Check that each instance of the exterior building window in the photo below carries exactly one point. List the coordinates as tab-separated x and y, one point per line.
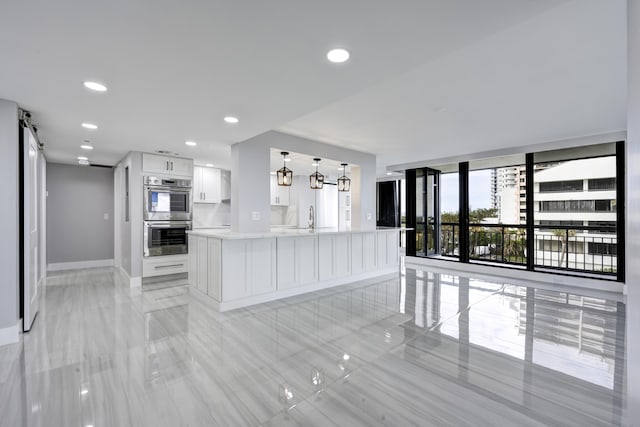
561	186
601	184
597	248
578	206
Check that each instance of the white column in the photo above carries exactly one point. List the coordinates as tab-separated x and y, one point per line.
633	213
250	187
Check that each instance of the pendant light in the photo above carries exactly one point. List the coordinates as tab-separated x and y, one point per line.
316	180
285	175
344	183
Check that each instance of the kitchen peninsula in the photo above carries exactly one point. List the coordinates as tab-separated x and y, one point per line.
242	269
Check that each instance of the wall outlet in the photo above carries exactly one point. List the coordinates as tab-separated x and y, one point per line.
369	216
106	217
255	216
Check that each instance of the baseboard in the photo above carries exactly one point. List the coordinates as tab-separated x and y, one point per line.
58	266
11	334
134	282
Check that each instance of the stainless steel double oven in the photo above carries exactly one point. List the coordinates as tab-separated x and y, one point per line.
167	215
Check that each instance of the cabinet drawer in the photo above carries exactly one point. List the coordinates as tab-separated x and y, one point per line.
161	266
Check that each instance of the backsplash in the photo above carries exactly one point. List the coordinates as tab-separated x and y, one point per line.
211	214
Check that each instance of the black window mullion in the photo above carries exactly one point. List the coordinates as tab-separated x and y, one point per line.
463	217
410	196
529	203
620	208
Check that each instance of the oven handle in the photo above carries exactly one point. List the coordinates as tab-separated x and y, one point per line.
172	189
168	224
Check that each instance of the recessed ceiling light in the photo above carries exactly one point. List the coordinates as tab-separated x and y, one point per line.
86	147
89	126
338	55
314	164
209	165
231	119
273	173
98	87
389	173
83	158
191	143
83	162
286	159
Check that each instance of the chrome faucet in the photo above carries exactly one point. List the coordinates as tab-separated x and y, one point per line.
312	218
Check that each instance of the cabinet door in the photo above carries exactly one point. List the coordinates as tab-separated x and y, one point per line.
306	260
211	185
325	257
234	270
286	268
155	164
181	167
262	265
341	255
283	195
273	184
393	248
225	185
193	260
198	192
370	251
215	257
357	253
203	264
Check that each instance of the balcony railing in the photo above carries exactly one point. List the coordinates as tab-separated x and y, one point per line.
592	249
573	248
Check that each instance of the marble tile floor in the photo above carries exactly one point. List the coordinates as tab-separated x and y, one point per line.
415	348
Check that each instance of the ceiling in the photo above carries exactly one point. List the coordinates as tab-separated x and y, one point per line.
426	78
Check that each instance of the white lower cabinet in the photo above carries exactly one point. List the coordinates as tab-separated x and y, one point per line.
248	268
297	261
198	262
214	282
357	253
234	271
334	252
369	252
164	265
388	249
286	262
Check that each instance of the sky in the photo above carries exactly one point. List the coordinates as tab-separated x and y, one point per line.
479	190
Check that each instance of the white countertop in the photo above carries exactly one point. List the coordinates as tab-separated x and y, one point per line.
281	232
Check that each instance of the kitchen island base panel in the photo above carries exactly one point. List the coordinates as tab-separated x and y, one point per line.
240	272
286	293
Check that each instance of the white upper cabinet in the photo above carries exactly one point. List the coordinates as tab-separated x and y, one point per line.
225	185
206	185
164	165
279	193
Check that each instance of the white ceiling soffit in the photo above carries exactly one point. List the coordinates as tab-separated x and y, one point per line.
560	74
174	69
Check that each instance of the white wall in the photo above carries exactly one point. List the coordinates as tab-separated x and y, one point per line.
633	213
211	214
9	292
130	233
250	190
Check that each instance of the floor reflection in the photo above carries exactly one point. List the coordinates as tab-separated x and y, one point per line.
419	348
